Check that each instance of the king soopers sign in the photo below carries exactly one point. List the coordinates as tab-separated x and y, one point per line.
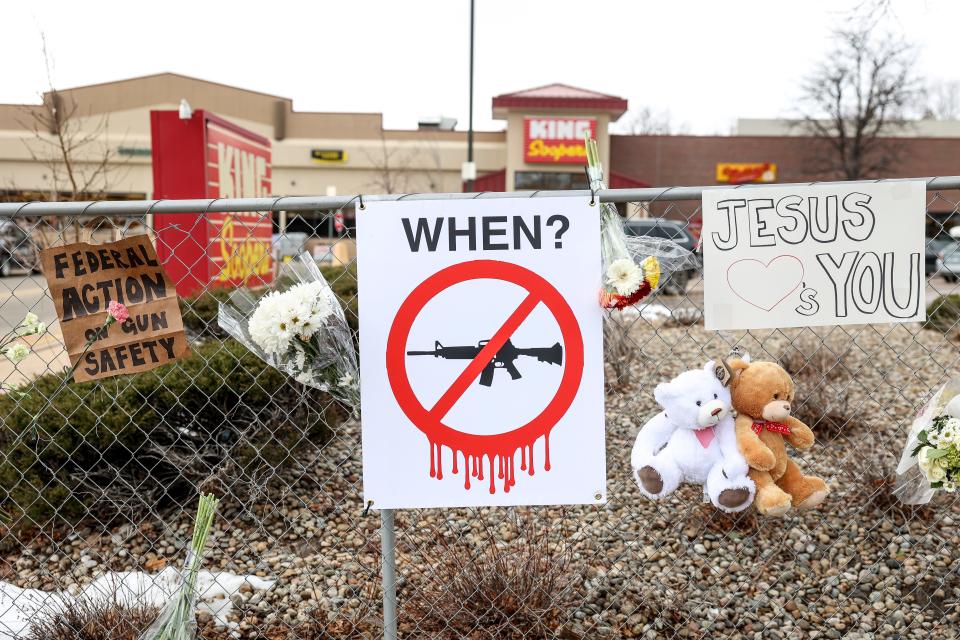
556	140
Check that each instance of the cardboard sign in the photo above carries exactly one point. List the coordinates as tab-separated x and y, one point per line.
811	256
84	279
481	359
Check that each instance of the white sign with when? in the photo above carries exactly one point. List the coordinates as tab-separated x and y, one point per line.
821	255
481	352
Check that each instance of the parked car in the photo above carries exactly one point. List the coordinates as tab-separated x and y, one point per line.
288	245
18	253
671	230
934	247
948	261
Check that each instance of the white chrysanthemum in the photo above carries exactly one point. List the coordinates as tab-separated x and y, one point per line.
309	307
946	436
949	486
270	324
625	276
300	311
346	381
953	423
17	352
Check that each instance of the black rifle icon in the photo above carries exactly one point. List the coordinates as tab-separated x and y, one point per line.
504	358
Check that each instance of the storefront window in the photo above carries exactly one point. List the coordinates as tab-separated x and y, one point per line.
548	181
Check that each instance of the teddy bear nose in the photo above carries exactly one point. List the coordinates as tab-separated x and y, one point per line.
786	408
717	411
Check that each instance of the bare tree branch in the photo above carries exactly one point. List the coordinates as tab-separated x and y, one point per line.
74	149
649	122
942	100
857	102
399	169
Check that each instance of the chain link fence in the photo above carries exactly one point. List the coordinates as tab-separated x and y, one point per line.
98	480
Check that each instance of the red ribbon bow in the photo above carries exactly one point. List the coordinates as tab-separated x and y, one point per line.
776	427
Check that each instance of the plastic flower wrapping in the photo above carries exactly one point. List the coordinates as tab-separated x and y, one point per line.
299	328
931	457
632	265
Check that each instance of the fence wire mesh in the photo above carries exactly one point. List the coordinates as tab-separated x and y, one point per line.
100	479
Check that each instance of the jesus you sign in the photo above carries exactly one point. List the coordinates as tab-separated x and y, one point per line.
814	256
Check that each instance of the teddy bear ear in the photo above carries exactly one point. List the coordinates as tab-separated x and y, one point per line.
735	366
663	394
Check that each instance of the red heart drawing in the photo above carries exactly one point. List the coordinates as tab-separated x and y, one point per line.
764	286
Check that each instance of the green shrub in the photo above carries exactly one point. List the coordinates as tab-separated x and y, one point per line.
200	311
220	418
343	281
943	314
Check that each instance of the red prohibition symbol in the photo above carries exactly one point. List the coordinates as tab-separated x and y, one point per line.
499	448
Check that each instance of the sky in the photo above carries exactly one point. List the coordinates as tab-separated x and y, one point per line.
705	63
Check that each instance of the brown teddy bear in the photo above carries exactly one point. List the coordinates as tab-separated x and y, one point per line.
761	393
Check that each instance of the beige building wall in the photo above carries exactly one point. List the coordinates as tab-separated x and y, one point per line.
376	159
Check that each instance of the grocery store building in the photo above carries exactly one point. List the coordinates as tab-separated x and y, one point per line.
323	153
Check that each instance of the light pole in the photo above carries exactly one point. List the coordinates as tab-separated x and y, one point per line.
470	170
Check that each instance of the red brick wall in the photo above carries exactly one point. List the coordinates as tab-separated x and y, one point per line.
692	160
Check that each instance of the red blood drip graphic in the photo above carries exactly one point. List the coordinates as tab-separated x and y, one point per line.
502	446
474	464
546	448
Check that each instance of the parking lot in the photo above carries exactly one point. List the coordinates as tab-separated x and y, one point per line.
18	296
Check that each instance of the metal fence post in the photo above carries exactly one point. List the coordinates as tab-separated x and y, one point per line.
389	569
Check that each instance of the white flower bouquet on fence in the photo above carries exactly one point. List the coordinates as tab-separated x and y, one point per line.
299	328
931	457
632	265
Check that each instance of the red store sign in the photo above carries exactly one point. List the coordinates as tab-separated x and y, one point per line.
206	156
556	140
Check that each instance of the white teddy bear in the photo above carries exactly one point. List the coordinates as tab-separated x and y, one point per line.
693	440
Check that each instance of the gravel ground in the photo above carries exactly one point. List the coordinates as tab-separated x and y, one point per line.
859	567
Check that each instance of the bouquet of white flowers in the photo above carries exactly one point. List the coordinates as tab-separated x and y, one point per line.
632	266
298	328
931	457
